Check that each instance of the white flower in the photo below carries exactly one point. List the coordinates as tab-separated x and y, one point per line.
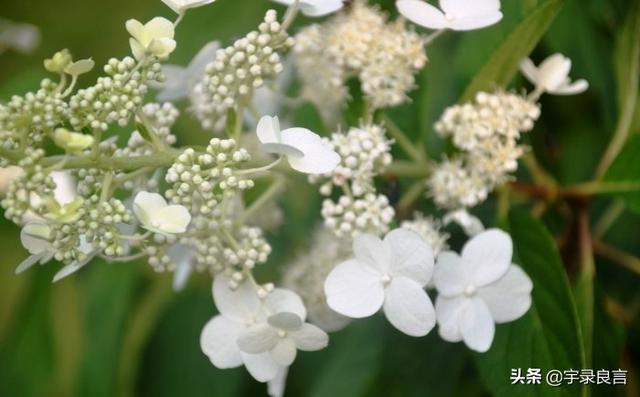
182	256
21	37
36	238
180	6
552	76
153	38
80	67
454	14
479	289
305	150
155	215
470	224
387	274
180	80
315	8
240	309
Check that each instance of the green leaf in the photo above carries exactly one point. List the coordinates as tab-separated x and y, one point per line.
626	170
549	335
173	364
504	62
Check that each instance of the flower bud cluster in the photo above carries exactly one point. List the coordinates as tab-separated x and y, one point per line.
486	132
90	179
113	99
202	181
238	70
69	245
360	43
365	153
27	119
158	117
429	229
100	221
351	217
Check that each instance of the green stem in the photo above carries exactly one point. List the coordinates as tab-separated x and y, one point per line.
414	192
608	218
596	187
409	169
276	187
401	139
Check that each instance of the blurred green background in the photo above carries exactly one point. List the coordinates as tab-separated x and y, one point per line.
119	330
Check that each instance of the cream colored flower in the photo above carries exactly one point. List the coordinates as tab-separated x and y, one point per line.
153	38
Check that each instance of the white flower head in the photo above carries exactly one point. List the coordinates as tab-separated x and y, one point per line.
180	6
479	288
315	8
36	238
156	215
453	14
244	315
154	38
181	80
552	76
388	274
306	151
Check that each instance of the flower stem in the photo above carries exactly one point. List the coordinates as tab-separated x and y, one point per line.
433	36
290	15
608	218
402	140
276	187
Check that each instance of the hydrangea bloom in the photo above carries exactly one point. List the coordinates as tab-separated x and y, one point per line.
157	216
453	14
479	288
305	150
552	76
388	274
154	38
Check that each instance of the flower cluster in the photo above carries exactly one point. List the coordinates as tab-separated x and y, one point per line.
238	70
429	229
486	132
383	56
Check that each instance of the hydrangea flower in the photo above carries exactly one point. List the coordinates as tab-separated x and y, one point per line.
180	6
154	38
388	274
72	141
552	76
80	67
453	14
180	80
315	8
241	310
479	288
36	238
156	215
305	150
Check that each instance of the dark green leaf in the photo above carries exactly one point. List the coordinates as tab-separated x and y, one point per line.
626	170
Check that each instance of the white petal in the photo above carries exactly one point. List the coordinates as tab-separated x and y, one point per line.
241	304
553	72
34	237
269	130
510	297
135	28
175	86
477	326
408	307
319	8
451	275
65	191
68	270
28	263
411	256
466	8
422	13
489	255
181	256
317	156
146	205
471	225
373	253
218	341
172	219
160	27
284	300
310	338
448	315
199	63
261	366
285	320
577	87
258	338
277	385
529	70
137	49
353	290
284	353
476	21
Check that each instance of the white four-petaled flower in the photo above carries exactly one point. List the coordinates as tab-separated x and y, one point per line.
154	38
552	76
315	8
156	215
245	317
180	6
479	289
388	274
453	14
306	151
